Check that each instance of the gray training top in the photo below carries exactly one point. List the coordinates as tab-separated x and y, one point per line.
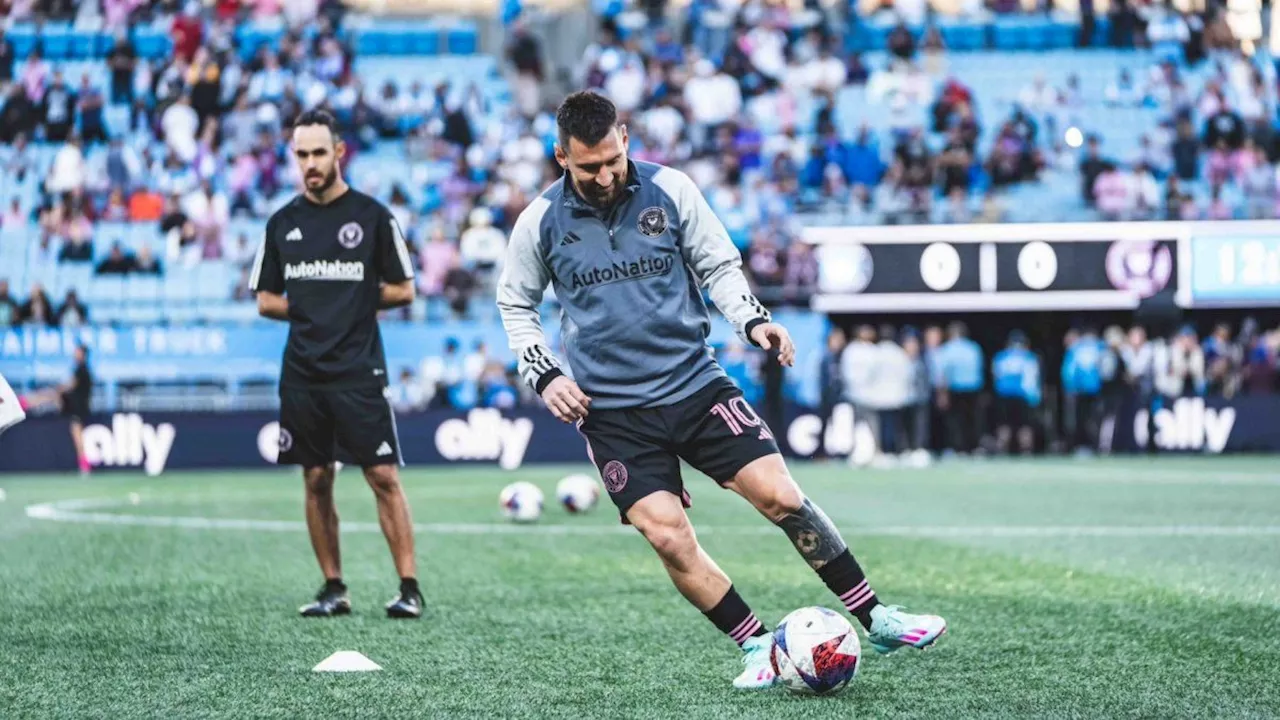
628	279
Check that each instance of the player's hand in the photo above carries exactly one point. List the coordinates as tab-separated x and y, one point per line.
772	335
565	399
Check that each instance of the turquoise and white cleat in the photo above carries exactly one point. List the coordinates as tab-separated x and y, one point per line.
891	628
758	674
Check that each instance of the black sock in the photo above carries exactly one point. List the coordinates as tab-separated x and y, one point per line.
734	618
845	578
334	584
409	585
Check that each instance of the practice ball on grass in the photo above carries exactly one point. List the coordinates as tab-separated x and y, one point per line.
521	502
134	498
2	495
578	493
815	652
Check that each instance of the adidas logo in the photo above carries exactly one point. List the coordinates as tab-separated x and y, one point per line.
294	235
383	449
570	239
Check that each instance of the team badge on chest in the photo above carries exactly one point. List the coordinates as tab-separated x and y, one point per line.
653	221
350	235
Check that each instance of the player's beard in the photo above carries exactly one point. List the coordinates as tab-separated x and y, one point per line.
598	196
330	178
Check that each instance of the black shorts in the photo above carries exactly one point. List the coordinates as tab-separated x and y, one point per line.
355	425
1012	412
73	408
638	450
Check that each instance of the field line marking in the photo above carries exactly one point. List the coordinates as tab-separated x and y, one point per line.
89	511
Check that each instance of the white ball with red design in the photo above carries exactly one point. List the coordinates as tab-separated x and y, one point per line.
815	652
521	502
578	493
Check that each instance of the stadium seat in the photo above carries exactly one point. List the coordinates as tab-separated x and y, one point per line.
55	41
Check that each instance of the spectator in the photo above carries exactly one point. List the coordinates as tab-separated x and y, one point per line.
831	389
17	116
483	246
1091	166
857	369
1223	359
10	313
14	216
67	172
78	246
917	409
123	61
93	123
458	286
1186	152
37	310
180	124
1179	366
1259	375
959	363
73	313
57	109
117	262
1083	367
407	395
146	263
1015	373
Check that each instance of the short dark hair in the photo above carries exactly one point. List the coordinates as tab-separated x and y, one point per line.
318	117
587	116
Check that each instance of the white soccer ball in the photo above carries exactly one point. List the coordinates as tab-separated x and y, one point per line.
815	652
521	502
578	493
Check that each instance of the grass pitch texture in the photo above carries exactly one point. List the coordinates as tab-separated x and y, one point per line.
1112	588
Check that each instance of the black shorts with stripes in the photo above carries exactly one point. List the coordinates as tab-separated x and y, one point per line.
354	425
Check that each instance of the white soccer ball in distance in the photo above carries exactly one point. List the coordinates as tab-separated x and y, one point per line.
521	502
578	493
815	652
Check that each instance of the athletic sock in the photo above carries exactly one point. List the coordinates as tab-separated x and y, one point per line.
334	584
845	578
83	463
409	585
734	618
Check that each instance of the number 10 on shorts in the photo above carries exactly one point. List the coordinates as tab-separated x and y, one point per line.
738	415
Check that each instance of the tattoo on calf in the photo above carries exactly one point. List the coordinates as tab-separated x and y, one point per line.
813	534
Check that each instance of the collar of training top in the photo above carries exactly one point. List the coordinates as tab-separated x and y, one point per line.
573	200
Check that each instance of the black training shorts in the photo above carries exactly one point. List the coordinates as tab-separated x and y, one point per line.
1012	412
638	450
315	424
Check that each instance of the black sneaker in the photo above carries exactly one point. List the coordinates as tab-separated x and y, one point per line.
331	600
406	605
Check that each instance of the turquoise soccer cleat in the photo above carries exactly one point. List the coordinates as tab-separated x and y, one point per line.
759	671
892	628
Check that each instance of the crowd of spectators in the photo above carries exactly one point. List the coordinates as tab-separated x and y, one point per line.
935	390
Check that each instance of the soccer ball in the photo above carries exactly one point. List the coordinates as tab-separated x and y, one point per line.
815	652
521	502
578	493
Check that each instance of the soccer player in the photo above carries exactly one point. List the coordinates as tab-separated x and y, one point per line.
72	398
330	260
627	247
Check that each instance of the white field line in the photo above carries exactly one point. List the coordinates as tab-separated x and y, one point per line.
89	512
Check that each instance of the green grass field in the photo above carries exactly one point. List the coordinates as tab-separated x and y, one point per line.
1111	588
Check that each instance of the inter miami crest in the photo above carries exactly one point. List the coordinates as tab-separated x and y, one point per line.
350	235
653	221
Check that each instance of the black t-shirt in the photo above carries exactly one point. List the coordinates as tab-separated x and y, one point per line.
78	396
330	260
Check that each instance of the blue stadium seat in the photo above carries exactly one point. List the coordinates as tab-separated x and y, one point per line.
84	44
180	285
24	39
142	289
462	38
55	41
151	43
105	290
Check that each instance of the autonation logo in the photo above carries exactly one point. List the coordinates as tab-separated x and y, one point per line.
325	270
619	271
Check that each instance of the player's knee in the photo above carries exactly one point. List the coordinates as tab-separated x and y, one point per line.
383	479
780	500
673	540
319	480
